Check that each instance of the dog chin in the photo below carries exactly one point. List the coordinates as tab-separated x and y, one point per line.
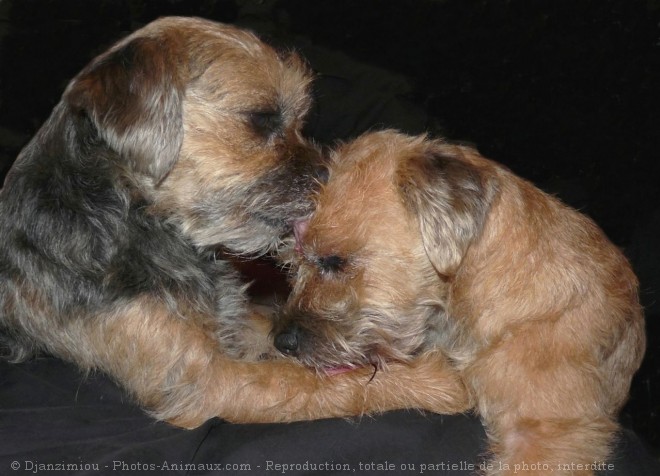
253	237
278	225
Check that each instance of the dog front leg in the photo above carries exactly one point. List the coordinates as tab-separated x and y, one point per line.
175	369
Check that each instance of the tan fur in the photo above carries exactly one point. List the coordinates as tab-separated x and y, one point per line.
443	249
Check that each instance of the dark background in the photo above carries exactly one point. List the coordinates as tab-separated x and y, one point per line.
564	92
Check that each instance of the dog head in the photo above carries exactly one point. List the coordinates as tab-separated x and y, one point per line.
205	120
373	262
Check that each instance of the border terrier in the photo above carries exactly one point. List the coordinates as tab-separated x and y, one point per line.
182	137
419	245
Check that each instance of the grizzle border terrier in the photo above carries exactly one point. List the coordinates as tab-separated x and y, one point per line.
419	245
182	137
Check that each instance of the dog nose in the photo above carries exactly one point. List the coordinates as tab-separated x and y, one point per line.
287	341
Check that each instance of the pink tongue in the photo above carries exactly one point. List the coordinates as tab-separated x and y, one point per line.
299	230
338	370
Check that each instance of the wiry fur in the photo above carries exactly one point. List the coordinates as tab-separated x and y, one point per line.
183	137
442	249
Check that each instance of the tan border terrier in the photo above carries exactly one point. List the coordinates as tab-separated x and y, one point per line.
418	245
183	137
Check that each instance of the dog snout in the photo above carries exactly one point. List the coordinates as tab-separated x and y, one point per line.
305	153
288	340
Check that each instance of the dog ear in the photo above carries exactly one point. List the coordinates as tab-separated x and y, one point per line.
450	199
133	95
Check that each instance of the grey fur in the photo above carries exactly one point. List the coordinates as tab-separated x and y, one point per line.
80	234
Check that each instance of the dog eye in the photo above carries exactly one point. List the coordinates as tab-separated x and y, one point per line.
331	264
266	123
